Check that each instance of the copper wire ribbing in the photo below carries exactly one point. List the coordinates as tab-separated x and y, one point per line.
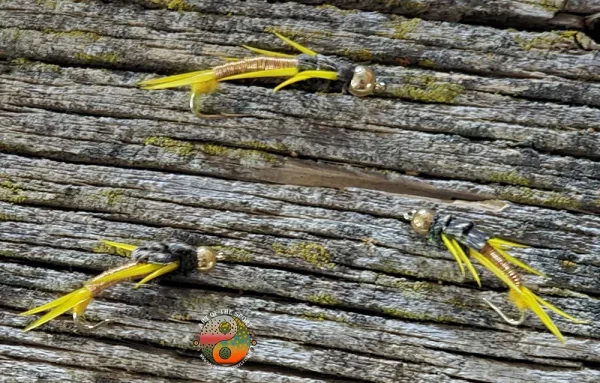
95	288
490	253
253	64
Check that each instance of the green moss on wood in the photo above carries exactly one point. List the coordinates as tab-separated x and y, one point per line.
181	148
405	314
547	40
560	201
511	177
113	196
458	302
426	88
10	217
568	264
10	192
313	316
336	9
82	34
407	5
402	27
428	63
358	54
526	195
174	5
547	5
51	4
323	299
101	58
235	254
24	62
311	252
181	317
7	253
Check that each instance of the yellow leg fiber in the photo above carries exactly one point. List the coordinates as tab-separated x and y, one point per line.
164	270
179	80
466	260
136	270
265	52
498	242
307	75
559	311
517	262
454	252
283	72
296	46
79	296
50	305
119	245
494	269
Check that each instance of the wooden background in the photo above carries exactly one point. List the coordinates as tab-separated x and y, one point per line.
491	113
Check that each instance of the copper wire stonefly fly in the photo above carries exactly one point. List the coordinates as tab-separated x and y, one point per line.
360	79
458	235
148	261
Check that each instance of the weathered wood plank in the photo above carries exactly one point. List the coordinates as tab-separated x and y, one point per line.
304	199
143	40
374	134
514	13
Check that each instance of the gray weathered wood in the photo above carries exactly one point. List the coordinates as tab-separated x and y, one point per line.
304	197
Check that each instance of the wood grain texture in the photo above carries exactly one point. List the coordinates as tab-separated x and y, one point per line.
304	197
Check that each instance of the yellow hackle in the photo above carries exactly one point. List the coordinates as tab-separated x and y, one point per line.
297	46
499	242
119	245
163	270
454	252
265	52
459	250
307	75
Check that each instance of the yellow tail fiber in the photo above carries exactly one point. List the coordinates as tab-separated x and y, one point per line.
179	80
65	305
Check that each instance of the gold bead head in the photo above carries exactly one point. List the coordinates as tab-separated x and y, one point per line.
363	81
422	220
207	259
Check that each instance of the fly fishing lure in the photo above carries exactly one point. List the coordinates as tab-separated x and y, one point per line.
360	80
458	235
148	261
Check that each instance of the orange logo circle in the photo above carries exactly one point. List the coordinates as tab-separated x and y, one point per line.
225	340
